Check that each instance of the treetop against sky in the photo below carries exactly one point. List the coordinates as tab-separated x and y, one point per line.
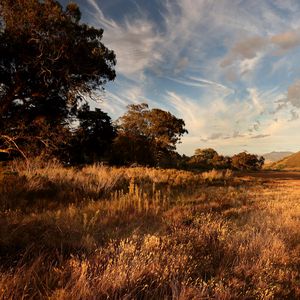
230	69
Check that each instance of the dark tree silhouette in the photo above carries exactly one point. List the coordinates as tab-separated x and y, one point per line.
147	136
246	161
49	62
203	158
92	139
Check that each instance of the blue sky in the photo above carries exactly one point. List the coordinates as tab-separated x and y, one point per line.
229	68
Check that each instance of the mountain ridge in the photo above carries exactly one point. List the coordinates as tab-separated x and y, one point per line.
275	156
291	162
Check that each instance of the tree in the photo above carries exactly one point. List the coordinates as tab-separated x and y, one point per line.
147	136
205	154
221	162
49	62
93	138
247	161
209	158
203	158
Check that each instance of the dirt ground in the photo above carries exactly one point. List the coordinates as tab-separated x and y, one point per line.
271	175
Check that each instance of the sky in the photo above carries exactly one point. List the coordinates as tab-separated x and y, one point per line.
229	68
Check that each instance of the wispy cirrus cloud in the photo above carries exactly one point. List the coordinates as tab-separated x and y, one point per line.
133	40
260	136
219	65
203	83
220	120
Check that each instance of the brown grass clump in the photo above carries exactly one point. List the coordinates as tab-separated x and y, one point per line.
219	176
142	233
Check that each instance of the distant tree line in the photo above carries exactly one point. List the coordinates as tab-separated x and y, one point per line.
50	63
208	158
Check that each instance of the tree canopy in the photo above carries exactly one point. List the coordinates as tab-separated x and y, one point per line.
247	161
93	138
209	158
205	154
206	158
148	134
49	62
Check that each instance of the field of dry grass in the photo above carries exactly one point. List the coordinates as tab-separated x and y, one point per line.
137	233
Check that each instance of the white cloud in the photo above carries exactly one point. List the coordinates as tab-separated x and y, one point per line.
115	103
204	83
191	30
199	27
134	41
248	65
217	118
211	84
189	111
246	53
189	47
255	98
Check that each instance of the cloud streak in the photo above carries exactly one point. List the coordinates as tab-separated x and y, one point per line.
286	40
219	65
135	41
260	136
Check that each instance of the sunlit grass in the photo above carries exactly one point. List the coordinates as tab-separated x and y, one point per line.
139	233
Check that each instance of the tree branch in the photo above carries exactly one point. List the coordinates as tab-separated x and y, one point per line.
11	140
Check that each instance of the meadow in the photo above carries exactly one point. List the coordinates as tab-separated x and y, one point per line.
101	232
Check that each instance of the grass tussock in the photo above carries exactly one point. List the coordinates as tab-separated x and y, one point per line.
139	233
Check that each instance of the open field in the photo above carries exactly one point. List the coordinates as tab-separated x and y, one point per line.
271	175
137	233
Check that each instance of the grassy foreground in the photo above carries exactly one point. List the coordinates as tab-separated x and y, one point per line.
138	233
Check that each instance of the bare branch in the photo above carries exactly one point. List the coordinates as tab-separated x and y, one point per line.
11	140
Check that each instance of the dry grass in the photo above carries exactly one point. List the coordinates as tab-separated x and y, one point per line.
137	233
217	176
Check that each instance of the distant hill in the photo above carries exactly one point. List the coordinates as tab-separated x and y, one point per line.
276	156
291	162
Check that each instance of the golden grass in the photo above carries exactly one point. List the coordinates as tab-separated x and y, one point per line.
139	233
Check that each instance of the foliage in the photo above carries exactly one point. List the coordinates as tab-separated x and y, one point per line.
209	158
147	136
92	139
247	161
205	154
221	162
49	62
202	158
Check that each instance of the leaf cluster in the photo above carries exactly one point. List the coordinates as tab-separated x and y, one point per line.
49	63
148	134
